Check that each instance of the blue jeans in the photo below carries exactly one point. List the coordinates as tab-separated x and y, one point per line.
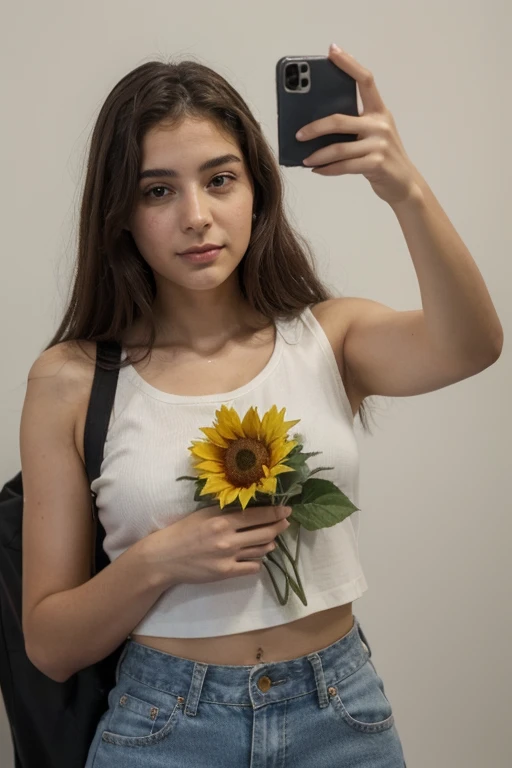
327	709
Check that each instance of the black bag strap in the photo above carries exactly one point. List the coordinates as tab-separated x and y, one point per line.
103	392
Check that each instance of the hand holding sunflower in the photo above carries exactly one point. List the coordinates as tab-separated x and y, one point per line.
252	462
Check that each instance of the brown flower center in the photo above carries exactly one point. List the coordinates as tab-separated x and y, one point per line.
244	460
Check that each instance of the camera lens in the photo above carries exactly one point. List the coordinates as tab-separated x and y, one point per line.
292	76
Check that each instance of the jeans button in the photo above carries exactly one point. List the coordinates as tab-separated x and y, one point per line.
264	683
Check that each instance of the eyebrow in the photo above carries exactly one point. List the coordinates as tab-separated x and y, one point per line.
151	173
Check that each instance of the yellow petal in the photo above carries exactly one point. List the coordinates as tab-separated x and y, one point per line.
214	484
226	432
216	467
251	424
275	425
279	452
246	494
228	495
269	423
268	485
214	437
231	419
205	450
232	494
279	469
224	424
206	475
277	428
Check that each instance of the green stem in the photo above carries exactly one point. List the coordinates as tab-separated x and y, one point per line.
282	600
299	591
296	586
270	556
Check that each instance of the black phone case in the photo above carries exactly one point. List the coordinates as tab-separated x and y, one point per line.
331	91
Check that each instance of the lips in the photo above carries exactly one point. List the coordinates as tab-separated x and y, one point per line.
200	257
200	248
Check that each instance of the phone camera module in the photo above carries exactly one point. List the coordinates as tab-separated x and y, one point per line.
293	76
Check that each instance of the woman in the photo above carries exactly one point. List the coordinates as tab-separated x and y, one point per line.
216	672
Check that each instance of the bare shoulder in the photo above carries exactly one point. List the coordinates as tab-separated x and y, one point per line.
60	381
65	363
339	312
64	372
335	316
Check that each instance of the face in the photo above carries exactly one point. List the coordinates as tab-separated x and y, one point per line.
181	205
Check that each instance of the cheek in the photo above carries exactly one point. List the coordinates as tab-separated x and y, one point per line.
238	221
152	230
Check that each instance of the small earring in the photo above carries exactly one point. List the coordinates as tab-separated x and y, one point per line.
253	216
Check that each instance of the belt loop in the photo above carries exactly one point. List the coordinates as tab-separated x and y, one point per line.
363	636
196	686
321	687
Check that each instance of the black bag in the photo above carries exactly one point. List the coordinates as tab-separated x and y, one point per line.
53	724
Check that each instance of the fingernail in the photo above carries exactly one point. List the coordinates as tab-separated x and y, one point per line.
336	48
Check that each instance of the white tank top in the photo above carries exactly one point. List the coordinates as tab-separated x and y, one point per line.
147	449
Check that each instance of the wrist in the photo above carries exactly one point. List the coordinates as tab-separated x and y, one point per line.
415	197
153	569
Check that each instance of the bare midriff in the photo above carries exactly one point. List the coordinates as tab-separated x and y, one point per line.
281	643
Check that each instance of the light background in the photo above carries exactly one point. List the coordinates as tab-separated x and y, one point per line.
435	493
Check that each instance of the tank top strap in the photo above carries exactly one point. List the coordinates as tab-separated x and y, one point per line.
291	329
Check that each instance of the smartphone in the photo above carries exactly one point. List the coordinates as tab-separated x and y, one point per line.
309	88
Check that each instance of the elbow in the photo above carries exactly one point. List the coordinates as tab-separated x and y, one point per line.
499	344
41	662
492	352
495	351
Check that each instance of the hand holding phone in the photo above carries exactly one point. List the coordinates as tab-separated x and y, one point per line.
310	88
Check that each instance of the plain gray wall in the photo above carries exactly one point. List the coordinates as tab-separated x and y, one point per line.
435	478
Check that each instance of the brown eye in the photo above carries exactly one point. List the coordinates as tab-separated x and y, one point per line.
153	189
223	176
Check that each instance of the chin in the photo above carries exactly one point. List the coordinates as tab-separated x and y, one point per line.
207	279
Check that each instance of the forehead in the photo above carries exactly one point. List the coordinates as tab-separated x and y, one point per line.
190	134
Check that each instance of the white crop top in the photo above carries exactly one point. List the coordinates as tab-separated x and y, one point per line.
147	449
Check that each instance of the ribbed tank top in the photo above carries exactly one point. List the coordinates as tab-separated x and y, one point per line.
147	449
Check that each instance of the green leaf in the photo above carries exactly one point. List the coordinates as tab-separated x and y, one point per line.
286	480
322	505
294	490
293	461
298	459
319	469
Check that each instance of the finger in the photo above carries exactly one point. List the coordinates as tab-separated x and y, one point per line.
370	96
341	151
337	123
357	165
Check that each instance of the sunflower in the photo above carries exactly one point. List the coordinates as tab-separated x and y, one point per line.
240	458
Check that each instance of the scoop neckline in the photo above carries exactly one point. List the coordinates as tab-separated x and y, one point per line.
158	394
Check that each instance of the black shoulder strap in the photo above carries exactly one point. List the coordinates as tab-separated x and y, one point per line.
100	407
96	426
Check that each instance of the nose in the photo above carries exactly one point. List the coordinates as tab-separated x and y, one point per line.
195	211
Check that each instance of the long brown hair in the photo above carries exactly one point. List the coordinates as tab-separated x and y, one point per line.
113	285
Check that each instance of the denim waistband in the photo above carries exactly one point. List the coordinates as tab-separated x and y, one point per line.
254	686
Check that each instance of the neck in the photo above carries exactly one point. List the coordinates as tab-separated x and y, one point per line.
202	320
